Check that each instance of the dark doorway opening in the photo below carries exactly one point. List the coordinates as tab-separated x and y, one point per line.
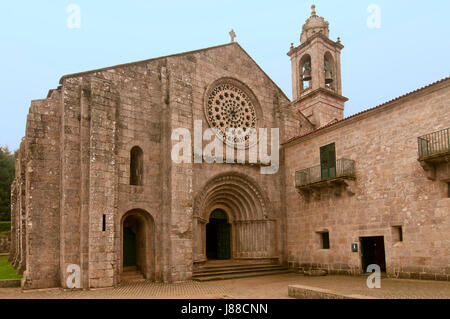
372	252
129	247
218	236
137	246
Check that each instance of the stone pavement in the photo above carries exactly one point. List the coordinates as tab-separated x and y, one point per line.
270	287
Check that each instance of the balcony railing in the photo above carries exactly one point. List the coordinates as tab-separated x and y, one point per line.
345	169
434	144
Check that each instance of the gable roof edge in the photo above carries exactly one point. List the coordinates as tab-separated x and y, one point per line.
273	82
73	75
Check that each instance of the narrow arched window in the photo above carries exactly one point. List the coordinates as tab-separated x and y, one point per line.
136	166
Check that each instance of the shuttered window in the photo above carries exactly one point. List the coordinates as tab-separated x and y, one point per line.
328	161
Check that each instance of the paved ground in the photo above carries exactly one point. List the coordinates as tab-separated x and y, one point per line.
270	287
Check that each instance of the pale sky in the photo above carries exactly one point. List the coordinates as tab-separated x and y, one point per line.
409	50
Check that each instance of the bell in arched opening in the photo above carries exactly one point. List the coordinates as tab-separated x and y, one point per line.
328	77
328	73
307	71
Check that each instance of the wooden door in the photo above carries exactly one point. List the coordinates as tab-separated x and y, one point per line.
328	161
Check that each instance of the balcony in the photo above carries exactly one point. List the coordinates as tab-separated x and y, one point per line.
314	178
434	148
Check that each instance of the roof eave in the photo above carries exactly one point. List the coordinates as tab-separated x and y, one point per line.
369	112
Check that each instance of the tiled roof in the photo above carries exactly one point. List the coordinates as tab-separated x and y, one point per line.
366	111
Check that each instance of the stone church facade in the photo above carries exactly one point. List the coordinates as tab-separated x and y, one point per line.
95	179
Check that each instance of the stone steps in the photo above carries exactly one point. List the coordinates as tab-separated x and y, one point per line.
236	269
216	266
226	272
240	275
129	276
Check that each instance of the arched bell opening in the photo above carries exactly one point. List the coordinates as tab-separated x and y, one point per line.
305	72
329	71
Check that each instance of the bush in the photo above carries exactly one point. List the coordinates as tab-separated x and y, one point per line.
5	227
6	177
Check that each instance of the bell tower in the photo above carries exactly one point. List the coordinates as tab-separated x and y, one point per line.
316	73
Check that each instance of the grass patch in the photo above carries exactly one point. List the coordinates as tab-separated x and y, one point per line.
6	270
5	227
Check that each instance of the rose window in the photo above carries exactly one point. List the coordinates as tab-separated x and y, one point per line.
230	108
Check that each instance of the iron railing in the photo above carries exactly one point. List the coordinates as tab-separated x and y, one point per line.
345	168
434	143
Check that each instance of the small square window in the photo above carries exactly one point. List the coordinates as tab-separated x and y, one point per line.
324	240
397	234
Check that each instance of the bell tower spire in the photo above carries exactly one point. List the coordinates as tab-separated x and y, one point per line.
313	11
316	73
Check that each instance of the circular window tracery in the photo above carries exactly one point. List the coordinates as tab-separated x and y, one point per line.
230	108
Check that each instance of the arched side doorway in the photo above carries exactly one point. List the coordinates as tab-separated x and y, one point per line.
137	238
129	244
218	236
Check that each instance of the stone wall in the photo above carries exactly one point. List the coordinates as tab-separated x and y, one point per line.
18	217
35	197
5	242
391	189
74	167
106	115
201	71
42	187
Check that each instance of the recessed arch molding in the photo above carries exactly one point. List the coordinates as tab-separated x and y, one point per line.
250	212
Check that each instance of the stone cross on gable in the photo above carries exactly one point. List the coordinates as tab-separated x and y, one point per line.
232	35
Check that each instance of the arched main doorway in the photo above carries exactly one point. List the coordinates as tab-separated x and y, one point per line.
218	236
138	243
252	230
